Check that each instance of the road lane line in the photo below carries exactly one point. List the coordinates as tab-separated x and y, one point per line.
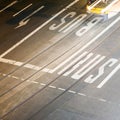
108	77
61	89
34	12
103	100
70	91
37	29
22	10
81	94
24	21
104	10
52	87
11	4
85	46
42	84
16	63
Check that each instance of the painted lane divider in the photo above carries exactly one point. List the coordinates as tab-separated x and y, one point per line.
63	89
24	21
74	69
22	10
11	4
37	29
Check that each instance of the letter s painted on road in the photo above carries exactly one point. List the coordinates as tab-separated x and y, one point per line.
63	21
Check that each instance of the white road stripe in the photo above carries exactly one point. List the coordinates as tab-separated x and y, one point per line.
33	13
15	77
81	94
37	29
16	63
104	10
61	89
70	91
22	10
72	63
86	45
108	77
80	74
103	100
52	87
11	4
78	64
73	23
42	84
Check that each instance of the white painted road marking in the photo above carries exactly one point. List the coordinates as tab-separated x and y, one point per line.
95	61
78	64
101	71
17	63
11	4
37	29
26	19
57	88
78	20
108	77
22	10
73	62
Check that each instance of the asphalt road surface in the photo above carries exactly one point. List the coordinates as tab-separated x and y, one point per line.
58	62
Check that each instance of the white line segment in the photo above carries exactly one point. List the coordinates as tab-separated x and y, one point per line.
108	77
11	4
22	10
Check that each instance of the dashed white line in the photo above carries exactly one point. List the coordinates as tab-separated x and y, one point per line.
70	91
61	89
42	84
52	86
15	77
81	94
17	63
103	100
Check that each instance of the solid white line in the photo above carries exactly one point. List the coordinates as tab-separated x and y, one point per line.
80	73
22	10
78	64
108	77
94	4
72	63
109	6
81	94
94	39
14	2
33	13
37	29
